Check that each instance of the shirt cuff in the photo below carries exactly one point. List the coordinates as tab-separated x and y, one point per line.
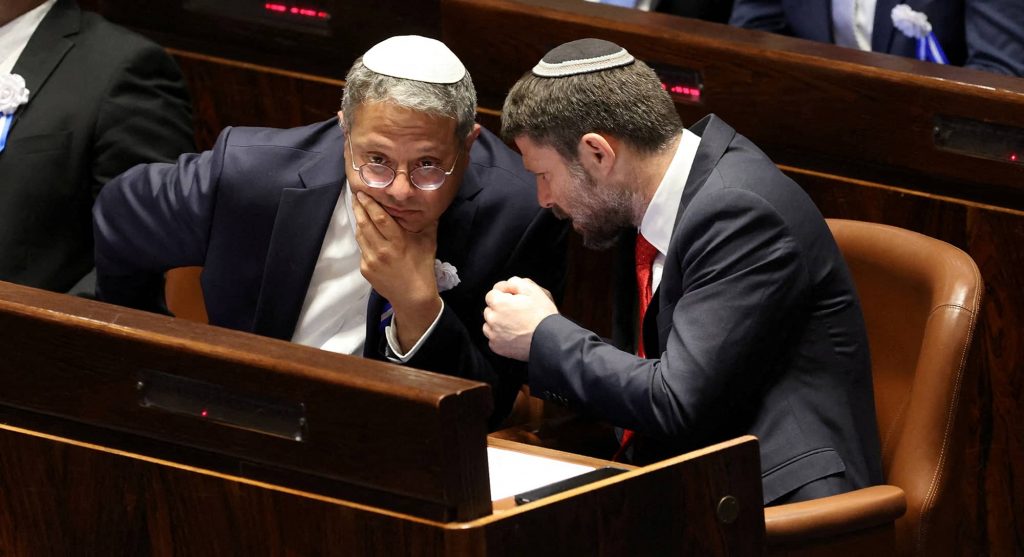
393	353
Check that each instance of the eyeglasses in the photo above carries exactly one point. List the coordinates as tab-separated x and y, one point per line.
377	175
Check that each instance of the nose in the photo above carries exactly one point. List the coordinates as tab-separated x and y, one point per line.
401	188
544	195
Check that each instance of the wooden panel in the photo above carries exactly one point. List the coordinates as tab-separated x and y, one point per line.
420	436
354	26
807	104
61	497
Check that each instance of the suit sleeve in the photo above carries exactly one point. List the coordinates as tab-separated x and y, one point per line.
739	277
763	15
995	36
153	218
145	117
458	347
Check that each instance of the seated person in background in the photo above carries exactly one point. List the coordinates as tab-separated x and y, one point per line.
81	101
377	232
753	324
985	36
709	10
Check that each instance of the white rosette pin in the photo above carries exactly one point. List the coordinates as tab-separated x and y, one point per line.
446	274
12	95
915	25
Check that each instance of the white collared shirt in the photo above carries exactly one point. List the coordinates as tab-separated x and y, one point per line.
853	22
660	217
333	313
17	32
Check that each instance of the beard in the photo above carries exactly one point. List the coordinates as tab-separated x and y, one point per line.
599	213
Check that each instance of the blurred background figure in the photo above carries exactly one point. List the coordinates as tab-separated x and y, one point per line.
710	10
100	99
985	35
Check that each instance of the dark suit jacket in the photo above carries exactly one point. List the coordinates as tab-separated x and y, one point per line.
254	211
981	34
101	99
708	10
758	329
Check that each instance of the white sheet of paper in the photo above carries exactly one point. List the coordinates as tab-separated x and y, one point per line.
514	472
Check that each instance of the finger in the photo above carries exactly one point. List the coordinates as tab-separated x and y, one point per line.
377	216
489	315
491	297
367	234
488	332
506	287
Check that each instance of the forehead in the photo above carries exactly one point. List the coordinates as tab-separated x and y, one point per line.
386	124
537	157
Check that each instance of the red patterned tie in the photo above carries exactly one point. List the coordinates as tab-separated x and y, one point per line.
645	254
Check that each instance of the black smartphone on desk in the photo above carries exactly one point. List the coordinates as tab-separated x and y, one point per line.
567	484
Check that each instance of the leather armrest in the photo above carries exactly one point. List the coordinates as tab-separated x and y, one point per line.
830	516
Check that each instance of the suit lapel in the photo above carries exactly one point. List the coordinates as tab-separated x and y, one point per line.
47	47
882	30
454	231
819	16
302	219
715	137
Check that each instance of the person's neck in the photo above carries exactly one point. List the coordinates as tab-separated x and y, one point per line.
12	9
650	171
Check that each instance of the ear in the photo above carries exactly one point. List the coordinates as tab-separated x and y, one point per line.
473	134
597	155
341	121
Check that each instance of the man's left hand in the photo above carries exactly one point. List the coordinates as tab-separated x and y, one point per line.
515	307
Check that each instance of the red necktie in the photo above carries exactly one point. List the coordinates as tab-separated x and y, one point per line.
645	254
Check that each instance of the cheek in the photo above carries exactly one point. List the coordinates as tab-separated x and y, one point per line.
436	203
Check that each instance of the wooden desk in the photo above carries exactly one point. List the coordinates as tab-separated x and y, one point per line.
388	460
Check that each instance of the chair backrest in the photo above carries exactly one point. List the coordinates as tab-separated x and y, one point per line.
921	300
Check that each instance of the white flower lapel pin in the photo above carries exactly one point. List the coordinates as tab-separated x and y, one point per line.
12	95
915	25
446	274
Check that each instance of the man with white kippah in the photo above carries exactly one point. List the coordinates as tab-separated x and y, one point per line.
742	318
377	232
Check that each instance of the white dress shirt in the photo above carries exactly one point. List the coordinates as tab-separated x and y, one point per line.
660	217
16	33
333	314
853	22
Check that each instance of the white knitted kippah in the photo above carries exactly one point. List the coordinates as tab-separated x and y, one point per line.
416	58
582	56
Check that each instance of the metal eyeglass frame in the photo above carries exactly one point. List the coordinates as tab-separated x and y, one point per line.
395	172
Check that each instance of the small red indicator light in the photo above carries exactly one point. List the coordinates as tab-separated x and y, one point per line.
204	413
295	10
1013	157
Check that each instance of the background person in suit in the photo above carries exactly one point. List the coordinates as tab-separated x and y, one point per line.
294	227
753	324
984	35
708	10
101	100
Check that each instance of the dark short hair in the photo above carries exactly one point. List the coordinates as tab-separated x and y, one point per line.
627	102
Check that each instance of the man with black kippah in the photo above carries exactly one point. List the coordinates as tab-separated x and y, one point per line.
753	325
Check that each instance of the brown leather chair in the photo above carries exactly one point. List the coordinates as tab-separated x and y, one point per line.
183	294
921	300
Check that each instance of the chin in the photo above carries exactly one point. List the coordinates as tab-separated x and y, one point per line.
414	227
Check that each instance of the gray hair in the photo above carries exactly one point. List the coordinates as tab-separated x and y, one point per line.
450	100
626	102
